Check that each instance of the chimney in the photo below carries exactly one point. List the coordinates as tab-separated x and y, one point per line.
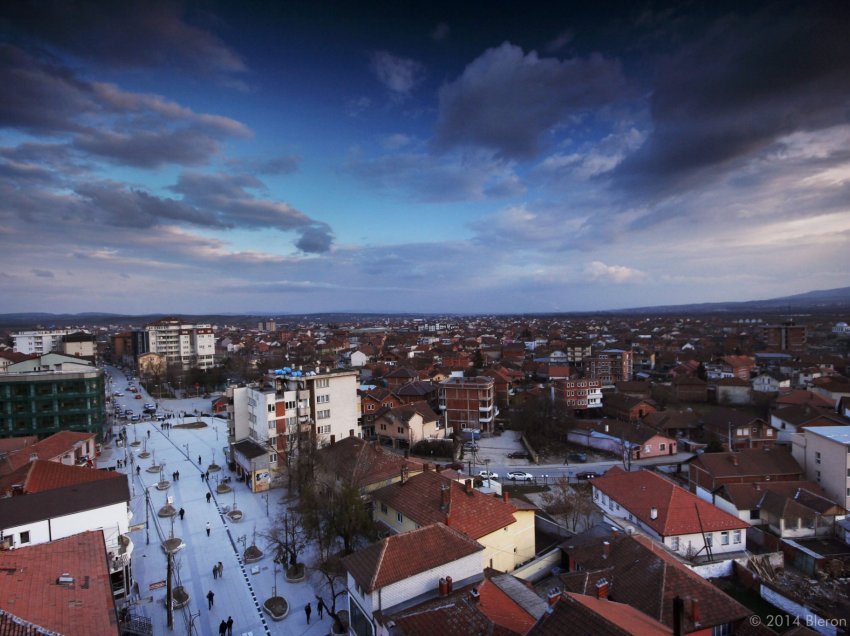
695	617
506	496
467	485
473	594
449	583
553	595
653	513
426	466
443	587
602	588
678	616
444	497
571	563
403	474
438	468
606	549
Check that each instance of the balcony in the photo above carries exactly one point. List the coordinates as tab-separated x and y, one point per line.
120	553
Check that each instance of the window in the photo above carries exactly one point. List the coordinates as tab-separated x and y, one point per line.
722	630
754	514
322	383
647	448
724	538
399	516
323	415
817	457
674	543
736	536
270	408
662	446
400	430
709	539
323	399
770	432
290	404
370	407
25	537
384	508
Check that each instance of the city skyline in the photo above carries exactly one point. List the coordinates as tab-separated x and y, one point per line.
426	158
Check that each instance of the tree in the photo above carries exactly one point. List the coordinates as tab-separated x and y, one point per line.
337	512
571	504
329	579
287	536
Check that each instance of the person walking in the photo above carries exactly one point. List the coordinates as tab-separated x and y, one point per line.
307	611
208	528
199	460
215	571
181	513
220	568
320	607
210	597
178	475
209	496
222	628
229	626
138	470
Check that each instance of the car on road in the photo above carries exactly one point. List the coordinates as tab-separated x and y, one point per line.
488	474
135	418
519	455
577	457
118	394
587	474
160	417
454	466
519	475
138	396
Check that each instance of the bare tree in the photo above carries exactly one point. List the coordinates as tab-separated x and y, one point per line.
287	536
571	504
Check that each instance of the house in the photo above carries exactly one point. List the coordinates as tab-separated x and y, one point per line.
364	464
674	423
505	528
744	500
616	436
735	430
709	471
832	388
802	514
668	513
51	501
595	613
65	447
792	418
689	388
406	425
60	587
406	569
770	383
624	407
417	391
644	575
358	359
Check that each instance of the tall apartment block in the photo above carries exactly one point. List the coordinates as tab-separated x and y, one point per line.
181	343
269	422
468	402
609	366
785	337
579	395
41	341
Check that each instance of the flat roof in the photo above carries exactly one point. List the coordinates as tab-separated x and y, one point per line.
840	434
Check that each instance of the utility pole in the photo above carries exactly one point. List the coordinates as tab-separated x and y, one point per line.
147	517
168	598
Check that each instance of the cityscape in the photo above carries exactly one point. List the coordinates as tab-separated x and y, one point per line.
401	319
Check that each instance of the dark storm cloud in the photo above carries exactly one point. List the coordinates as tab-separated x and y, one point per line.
745	83
130	33
506	99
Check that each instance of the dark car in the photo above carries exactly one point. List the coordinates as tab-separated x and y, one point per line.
588	474
519	455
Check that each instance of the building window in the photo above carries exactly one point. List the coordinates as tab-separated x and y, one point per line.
662	446
323	415
323	399
674	543
370	407
384	508
817	457
322	383
25	537
754	514
400	517
736	536
770	432
724	538
722	630
400	430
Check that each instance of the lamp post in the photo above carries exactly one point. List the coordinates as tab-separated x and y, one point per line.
487	468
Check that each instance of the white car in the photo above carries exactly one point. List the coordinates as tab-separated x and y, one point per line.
519	475
486	474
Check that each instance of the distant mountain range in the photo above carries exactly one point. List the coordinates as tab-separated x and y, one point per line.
823	300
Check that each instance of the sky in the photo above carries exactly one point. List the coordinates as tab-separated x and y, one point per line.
464	157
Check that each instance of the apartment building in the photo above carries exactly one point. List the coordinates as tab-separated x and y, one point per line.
181	343
580	394
468	403
824	454
45	400
39	342
785	337
269	422
610	366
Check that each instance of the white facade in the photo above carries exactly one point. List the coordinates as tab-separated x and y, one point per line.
184	344
40	342
824	454
113	520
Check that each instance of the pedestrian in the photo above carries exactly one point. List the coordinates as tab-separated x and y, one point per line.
209	496
206	476
215	571
220	568
178	475
173	476
307	610
210	597
222	628
199	460
208	528
320	607
229	626
149	434
138	470
202	476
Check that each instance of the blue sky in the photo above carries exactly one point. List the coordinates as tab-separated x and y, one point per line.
420	157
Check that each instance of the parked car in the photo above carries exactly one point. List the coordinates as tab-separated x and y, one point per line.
488	474
519	475
577	457
135	418
519	455
588	474
138	396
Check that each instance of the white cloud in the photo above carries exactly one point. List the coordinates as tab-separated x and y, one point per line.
599	271
400	75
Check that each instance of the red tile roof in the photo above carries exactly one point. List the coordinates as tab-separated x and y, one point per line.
29	587
365	463
581	614
749	462
50	448
401	556
470	511
678	511
43	475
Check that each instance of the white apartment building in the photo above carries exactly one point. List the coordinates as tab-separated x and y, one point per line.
40	342
265	422
181	343
824	454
